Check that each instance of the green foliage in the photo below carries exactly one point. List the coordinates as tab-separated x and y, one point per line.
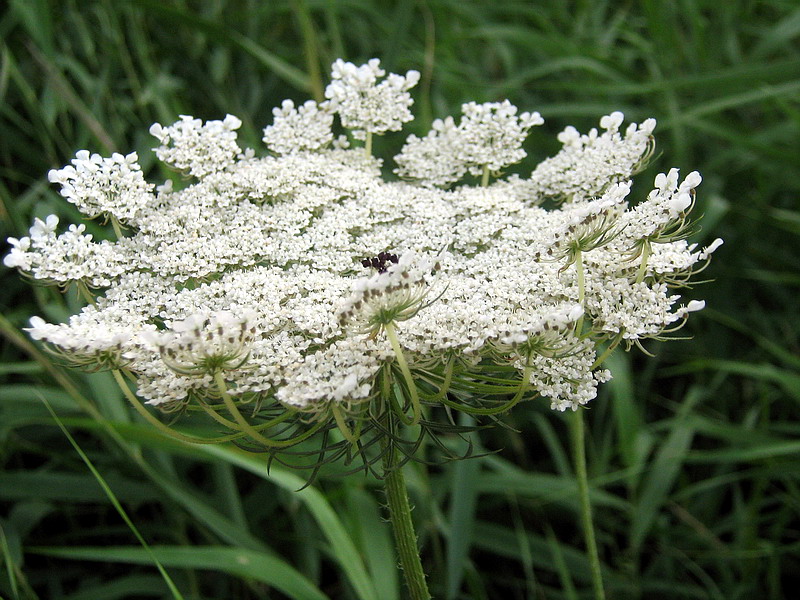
692	455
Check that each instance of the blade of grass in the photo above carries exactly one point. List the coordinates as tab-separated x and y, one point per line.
290	74
376	543
10	563
463	501
115	503
242	563
657	484
342	546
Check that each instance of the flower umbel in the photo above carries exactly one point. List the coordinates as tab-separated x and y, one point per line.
243	295
205	345
395	293
302	284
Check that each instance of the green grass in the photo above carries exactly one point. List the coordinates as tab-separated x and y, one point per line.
692	455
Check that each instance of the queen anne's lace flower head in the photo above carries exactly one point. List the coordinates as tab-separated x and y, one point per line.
302	281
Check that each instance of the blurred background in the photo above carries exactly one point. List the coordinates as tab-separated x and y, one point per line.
694	455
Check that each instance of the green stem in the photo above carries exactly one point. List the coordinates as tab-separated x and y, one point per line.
401	362
242	423
485	177
643	265
117	228
368	144
403	526
338	416
166	430
611	347
579	452
581	288
84	292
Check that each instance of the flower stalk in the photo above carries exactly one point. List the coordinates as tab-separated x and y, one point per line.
402	524
581	288
416	408
577	436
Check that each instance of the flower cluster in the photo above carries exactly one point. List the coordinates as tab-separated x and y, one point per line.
366	106
307	127
588	163
72	257
197	149
104	186
303	280
487	139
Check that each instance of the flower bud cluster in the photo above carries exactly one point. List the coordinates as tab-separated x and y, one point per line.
304	279
586	226
549	334
204	344
395	293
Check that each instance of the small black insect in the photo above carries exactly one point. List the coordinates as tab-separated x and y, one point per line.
380	262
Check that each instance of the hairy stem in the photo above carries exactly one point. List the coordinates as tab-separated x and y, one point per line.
579	452
403	526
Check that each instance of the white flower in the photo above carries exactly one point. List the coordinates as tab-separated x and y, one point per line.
588	163
307	128
489	136
282	274
42	230
695	305
98	186
708	251
366	106
196	148
432	160
19	256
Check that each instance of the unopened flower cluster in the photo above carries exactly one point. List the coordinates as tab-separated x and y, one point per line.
287	274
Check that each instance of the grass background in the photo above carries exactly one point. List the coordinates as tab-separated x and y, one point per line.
693	454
